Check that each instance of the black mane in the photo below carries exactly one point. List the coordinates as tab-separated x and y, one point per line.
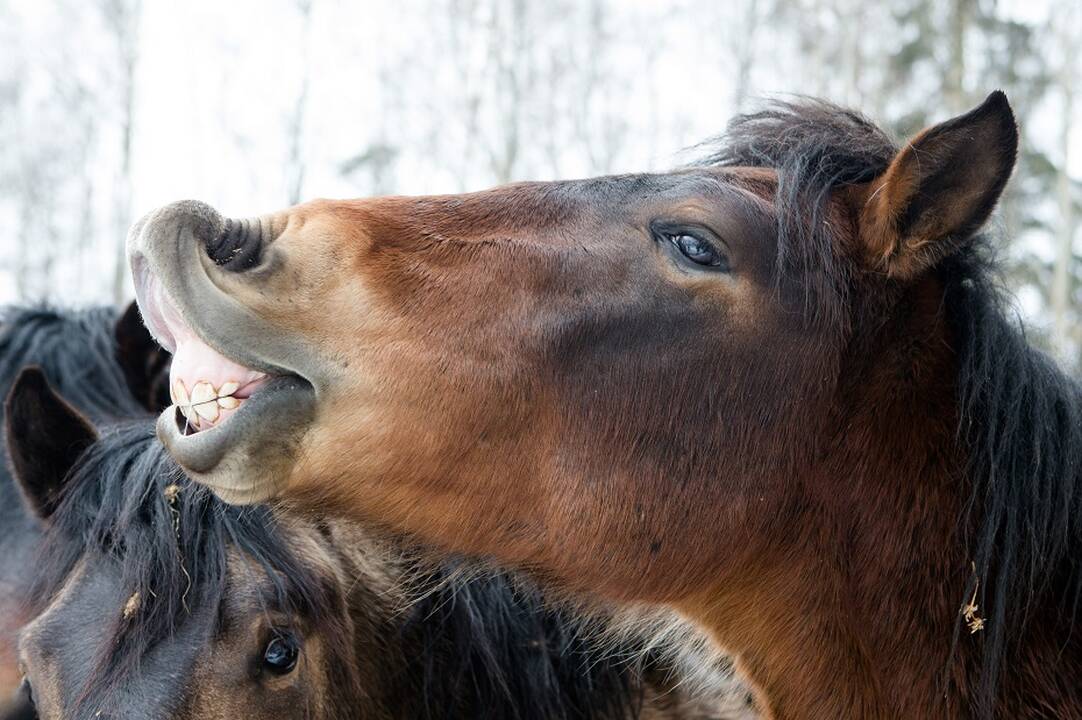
1020	415
77	350
1021	418
491	647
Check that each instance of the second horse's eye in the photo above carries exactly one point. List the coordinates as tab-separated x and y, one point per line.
280	655
696	249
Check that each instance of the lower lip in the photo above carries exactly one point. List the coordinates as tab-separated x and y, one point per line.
285	408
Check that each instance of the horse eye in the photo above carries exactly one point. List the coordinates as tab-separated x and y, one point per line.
280	655
696	249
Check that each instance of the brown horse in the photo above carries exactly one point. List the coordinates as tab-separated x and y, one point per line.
777	391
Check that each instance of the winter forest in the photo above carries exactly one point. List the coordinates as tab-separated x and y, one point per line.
109	108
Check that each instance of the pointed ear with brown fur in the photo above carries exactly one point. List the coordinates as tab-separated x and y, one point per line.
939	190
45	437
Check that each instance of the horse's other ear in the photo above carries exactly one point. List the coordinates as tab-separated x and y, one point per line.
45	436
939	189
144	362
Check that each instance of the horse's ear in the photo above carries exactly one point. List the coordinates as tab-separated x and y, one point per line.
144	362
938	190
45	436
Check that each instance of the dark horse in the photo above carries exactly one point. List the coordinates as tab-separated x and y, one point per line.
151	598
110	368
779	391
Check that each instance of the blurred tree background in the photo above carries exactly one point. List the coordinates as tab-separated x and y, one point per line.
111	107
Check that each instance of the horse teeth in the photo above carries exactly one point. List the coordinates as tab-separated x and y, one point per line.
203	392
179	393
207	411
203	405
191	419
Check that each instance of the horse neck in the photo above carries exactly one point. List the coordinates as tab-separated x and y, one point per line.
854	617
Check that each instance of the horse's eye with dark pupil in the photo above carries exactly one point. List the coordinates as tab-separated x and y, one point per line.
280	655
696	249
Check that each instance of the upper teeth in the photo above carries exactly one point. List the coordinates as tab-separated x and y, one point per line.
201	406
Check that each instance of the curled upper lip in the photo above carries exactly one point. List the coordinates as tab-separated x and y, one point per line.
172	273
147	288
155	304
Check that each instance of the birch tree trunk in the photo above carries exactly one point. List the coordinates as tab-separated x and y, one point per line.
961	14
295	165
122	20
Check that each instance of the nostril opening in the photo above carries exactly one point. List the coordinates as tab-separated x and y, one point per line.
238	246
218	245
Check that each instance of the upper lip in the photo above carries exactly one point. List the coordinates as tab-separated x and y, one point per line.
167	253
145	286
154	300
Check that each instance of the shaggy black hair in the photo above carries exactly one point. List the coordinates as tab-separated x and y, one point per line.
1020	415
489	646
1021	418
77	350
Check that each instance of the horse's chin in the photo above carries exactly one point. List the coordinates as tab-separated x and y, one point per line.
248	457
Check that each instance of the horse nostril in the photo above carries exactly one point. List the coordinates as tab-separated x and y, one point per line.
239	245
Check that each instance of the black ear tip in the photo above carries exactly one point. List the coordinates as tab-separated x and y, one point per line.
130	323
997	98
997	104
130	314
27	390
30	377
997	107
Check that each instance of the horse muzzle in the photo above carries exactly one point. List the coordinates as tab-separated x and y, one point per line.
244	390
